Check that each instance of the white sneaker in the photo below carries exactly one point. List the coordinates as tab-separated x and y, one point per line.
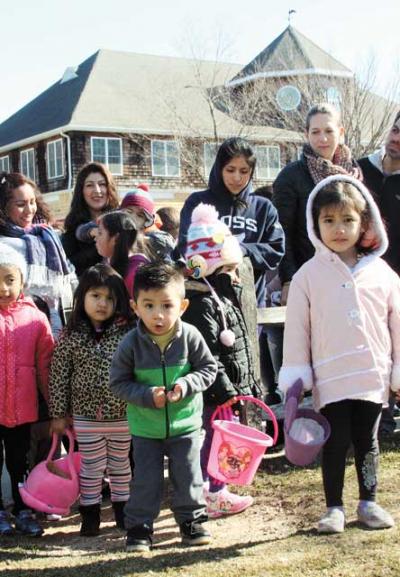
332	521
373	516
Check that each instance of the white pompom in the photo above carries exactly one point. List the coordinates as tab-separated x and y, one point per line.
227	337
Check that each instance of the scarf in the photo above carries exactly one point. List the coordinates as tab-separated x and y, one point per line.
342	163
47	263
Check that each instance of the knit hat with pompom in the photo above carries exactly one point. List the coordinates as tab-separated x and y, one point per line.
11	257
210	244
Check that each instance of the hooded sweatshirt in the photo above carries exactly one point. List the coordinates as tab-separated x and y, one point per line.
252	219
342	330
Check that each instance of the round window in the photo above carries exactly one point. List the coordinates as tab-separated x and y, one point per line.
288	97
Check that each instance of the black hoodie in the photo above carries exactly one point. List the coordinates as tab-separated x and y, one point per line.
252	219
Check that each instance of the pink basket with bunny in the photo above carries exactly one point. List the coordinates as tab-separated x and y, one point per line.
236	449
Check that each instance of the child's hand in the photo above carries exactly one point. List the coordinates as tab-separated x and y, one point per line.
159	398
175	395
58	426
229	402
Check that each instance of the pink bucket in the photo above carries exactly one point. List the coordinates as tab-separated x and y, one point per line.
53	486
237	450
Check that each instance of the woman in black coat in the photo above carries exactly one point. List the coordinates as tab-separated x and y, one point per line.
95	193
323	155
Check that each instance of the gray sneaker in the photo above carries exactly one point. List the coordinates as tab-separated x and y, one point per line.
373	516
332	521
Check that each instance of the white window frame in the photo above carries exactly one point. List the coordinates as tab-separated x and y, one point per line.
51	148
106	160
270	176
5	160
206	168
165	173
27	152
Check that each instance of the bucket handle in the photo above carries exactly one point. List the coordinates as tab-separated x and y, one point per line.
258	402
70	459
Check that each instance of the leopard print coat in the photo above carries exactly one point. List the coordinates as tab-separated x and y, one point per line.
79	375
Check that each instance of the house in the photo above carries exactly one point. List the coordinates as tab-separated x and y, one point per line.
158	119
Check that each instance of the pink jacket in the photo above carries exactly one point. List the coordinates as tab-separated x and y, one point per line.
342	330
26	346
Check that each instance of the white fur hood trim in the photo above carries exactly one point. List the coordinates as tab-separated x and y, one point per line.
376	217
288	375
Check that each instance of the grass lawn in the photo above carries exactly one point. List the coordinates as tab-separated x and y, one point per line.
275	538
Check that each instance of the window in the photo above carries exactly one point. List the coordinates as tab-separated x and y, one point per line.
55	159
4	164
210	152
27	158
108	151
165	158
334	97
268	162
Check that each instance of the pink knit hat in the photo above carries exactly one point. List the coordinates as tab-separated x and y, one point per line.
210	244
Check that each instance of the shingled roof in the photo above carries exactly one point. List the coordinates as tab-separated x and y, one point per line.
291	54
115	91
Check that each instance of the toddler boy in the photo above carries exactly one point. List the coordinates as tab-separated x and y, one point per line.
161	368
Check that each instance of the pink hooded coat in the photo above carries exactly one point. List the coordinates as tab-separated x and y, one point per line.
26	346
342	330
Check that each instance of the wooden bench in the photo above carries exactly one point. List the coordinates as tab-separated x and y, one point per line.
271	316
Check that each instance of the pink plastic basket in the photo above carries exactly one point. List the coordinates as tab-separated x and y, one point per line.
236	449
53	486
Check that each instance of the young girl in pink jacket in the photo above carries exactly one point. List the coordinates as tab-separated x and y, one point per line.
342	338
26	345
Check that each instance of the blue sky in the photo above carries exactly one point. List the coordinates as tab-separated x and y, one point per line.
41	38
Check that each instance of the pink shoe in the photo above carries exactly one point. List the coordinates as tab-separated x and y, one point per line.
226	503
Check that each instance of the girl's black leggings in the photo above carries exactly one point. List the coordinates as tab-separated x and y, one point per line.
352	422
15	441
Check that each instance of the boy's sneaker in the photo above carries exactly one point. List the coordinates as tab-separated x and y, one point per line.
26	523
138	539
333	521
373	516
225	503
5	525
193	533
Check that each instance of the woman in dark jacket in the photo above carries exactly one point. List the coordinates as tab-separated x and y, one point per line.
95	193
252	219
323	155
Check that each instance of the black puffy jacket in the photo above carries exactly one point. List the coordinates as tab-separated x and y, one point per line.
235	364
291	190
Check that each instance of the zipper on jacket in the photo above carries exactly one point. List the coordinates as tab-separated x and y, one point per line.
162	357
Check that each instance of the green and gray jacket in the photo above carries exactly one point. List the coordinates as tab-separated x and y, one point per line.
138	366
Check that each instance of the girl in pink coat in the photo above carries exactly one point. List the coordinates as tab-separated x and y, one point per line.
342	338
26	346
